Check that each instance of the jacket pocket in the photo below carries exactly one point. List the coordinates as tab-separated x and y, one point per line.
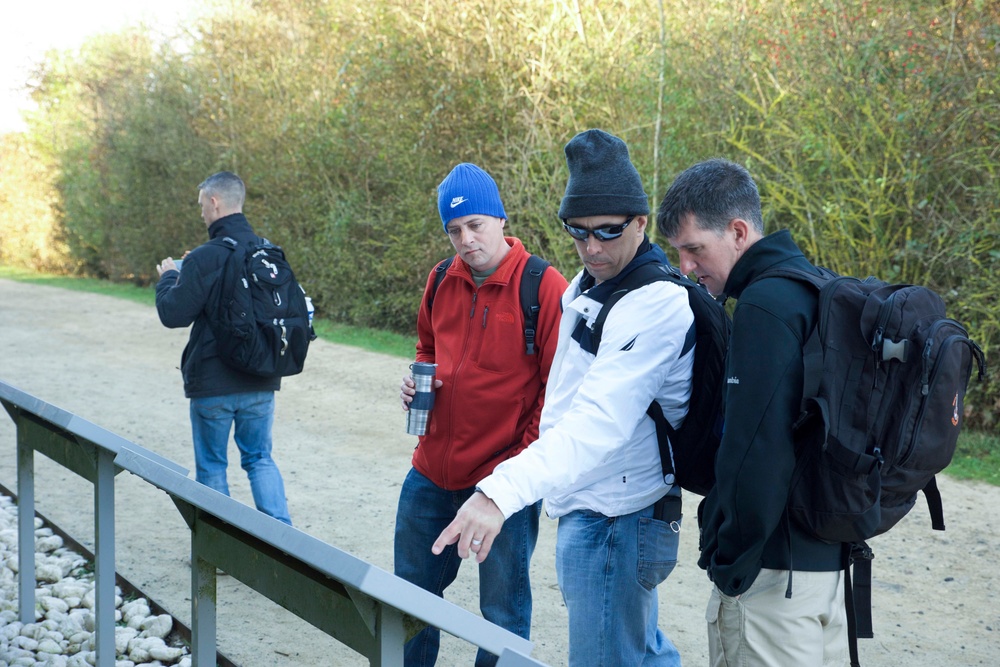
499	338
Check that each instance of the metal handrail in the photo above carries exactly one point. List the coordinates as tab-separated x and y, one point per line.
362	606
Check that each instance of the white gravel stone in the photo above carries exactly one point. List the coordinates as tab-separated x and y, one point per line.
49	573
80	659
10	631
167	654
48	645
138	655
63	634
48	544
52	603
122	638
157	626
70	588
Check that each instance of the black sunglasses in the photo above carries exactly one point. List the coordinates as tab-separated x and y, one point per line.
605	233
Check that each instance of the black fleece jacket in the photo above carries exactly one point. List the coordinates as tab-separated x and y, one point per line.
190	297
743	523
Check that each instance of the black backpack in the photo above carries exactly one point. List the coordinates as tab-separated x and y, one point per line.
261	323
531	279
687	453
885	379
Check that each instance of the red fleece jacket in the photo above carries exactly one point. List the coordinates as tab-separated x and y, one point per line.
489	406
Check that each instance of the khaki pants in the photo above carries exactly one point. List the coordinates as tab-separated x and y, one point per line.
763	628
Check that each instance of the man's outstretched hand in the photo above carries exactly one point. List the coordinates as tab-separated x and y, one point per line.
476	525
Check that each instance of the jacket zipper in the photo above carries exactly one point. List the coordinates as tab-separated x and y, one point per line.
445	460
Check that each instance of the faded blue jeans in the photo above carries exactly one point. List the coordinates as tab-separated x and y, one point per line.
608	569
212	419
426	509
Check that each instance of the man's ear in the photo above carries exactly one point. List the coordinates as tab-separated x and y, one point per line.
640	222
741	233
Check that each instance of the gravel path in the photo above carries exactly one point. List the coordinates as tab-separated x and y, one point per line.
341	446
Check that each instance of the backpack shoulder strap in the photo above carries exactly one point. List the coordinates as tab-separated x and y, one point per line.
812	351
439	272
226	242
816	279
710	327
638	277
531	279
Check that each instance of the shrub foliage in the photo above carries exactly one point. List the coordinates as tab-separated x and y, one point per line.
872	129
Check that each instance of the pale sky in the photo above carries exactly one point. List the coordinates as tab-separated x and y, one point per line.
29	28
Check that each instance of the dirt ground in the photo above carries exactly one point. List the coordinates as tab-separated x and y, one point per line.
341	446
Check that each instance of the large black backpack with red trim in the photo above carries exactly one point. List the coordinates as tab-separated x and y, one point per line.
885	379
885	376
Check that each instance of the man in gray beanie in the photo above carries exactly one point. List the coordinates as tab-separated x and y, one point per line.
488	403
596	461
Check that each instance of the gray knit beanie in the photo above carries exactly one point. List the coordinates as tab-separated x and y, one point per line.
602	179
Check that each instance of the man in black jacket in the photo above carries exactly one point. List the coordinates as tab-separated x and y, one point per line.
221	396
758	610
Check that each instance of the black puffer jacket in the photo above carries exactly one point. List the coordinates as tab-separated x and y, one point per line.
190	297
743	522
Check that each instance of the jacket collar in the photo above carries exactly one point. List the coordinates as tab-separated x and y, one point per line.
773	249
504	271
228	225
646	253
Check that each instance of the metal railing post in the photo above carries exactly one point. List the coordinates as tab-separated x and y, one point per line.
203	602
25	529
104	555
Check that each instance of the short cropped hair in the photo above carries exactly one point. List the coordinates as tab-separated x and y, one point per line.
227	187
715	191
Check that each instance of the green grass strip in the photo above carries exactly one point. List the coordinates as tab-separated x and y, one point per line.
373	340
977	456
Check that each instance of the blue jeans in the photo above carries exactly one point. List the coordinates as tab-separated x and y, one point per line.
424	511
608	569
212	419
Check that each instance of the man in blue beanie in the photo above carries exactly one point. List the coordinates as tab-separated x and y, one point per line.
490	389
596	461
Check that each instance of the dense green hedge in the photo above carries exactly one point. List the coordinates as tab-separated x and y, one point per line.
872	128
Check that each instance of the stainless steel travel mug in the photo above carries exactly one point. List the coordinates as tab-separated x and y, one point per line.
423	402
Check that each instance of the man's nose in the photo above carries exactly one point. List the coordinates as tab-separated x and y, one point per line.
687	265
593	245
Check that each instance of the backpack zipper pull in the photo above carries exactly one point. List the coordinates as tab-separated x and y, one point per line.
878	339
925	374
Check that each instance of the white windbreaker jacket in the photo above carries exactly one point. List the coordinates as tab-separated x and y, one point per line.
597	448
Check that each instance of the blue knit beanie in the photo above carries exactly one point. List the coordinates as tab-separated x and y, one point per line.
602	179
468	190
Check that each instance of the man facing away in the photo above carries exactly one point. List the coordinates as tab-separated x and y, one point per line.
596	461
221	396
489	399
758	613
